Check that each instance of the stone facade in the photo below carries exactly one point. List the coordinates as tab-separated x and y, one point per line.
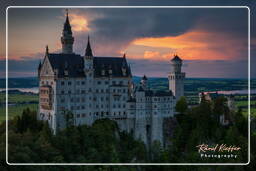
78	90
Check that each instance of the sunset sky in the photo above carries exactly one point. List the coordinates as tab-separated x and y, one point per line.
212	42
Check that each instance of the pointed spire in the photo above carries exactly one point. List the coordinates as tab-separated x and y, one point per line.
39	65
88	51
67	26
124	56
46	50
144	77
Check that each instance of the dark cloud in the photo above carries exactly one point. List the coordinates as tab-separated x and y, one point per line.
116	28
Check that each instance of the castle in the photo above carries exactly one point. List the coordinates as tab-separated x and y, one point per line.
75	89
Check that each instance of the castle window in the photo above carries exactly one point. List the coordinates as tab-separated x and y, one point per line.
114	90
106	82
62	83
62	100
102	90
90	90
123	105
114	82
72	107
99	82
121	82
95	98
83	82
69	83
114	106
62	92
78	115
83	99
69	91
83	91
107	90
97	90
101	98
124	90
83	115
71	99
82	107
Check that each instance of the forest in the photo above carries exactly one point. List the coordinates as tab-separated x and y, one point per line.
31	141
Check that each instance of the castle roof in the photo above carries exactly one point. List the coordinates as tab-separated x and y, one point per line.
176	58
88	50
67	26
116	64
158	93
74	64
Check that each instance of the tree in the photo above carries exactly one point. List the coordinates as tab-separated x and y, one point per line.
181	105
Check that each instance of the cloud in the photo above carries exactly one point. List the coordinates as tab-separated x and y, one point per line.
199	45
78	23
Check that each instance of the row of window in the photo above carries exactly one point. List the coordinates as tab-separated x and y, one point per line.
155	99
44	91
176	76
96	91
98	82
101	114
97	106
83	99
47	82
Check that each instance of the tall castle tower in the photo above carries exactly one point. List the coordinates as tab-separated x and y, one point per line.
176	78
67	39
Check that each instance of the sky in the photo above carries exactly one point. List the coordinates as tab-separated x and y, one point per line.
213	42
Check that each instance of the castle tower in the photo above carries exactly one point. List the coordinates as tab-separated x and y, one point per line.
176	78
88	57
67	39
144	82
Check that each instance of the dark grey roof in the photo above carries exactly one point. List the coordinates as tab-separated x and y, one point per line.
176	58
74	64
158	93
110	63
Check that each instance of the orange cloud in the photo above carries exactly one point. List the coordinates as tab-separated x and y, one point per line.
78	22
151	55
196	45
